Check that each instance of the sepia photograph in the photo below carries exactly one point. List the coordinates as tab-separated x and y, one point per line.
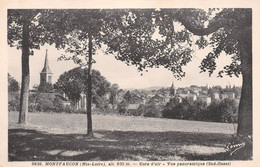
130	86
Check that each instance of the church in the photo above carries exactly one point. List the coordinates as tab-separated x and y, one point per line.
46	77
46	74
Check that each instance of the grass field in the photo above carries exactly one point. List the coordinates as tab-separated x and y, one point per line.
62	137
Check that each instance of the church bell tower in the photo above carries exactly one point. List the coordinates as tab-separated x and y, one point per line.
46	74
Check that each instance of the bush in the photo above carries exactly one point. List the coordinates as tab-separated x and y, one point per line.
122	107
58	106
45	104
225	111
13	101
168	111
137	112
71	109
150	110
14	105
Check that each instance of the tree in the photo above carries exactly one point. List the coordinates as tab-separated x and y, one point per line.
19	23
73	83
129	33
13	85
45	87
230	31
27	31
168	110
128	97
113	94
13	96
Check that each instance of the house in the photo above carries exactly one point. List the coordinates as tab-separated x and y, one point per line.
223	96
204	98
51	96
189	96
215	96
192	97
159	99
82	103
133	106
231	95
137	99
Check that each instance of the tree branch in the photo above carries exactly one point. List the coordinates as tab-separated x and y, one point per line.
212	27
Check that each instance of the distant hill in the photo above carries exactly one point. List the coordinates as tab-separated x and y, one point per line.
149	88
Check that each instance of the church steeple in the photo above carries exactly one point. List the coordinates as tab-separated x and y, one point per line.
46	74
46	68
173	90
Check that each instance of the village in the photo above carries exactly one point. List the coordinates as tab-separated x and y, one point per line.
136	97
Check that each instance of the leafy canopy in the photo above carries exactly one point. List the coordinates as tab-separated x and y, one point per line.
74	82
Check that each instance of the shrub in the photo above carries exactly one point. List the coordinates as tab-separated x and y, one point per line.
168	111
151	110
45	104
58	106
122	107
137	112
225	111
13	101
14	105
71	109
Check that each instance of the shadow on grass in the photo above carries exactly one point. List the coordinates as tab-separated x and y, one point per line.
32	145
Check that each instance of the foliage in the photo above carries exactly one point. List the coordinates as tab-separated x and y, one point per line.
74	82
14	105
13	95
113	94
49	102
128	96
224	111
13	85
45	87
44	104
27	31
150	110
130	33
122	107
226	40
167	111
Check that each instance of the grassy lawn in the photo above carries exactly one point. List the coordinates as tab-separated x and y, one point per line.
62	137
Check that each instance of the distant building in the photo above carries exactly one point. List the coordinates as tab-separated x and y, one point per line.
133	106
215	96
204	98
189	96
136	99
192	97
159	99
82	103
223	96
52	96
231	95
46	74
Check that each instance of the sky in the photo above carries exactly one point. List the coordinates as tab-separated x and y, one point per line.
115	71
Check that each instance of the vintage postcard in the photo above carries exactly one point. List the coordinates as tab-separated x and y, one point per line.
129	83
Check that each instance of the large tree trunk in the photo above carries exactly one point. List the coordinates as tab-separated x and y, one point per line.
245	118
89	92
24	97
